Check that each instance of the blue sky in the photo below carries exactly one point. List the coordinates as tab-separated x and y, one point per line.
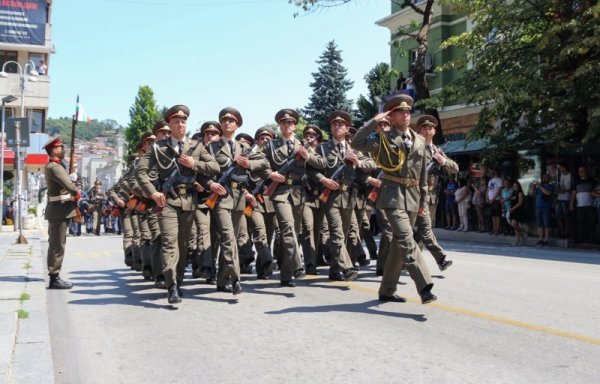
208	54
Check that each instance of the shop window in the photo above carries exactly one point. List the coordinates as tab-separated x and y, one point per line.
9	56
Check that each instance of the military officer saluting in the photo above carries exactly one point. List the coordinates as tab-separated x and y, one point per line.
401	154
62	196
176	162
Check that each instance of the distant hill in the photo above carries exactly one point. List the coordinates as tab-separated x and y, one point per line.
84	130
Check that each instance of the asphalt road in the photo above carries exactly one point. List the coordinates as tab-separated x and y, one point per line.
504	315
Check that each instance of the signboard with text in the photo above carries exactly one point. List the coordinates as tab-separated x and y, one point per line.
23	21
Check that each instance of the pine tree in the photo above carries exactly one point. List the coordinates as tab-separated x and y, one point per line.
329	88
143	114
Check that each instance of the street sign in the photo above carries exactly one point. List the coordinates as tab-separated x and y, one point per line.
11	132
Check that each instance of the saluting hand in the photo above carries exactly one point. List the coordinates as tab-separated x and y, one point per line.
381	116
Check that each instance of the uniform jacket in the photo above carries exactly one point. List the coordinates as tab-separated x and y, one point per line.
277	154
59	184
240	180
433	176
329	160
162	159
393	194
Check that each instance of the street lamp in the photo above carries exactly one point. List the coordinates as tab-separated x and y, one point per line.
31	76
5	100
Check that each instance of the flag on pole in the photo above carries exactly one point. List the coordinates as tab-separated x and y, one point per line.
80	114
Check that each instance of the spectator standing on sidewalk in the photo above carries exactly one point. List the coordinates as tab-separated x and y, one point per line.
478	202
543	192
516	213
494	187
562	211
596	195
463	199
451	208
582	205
505	199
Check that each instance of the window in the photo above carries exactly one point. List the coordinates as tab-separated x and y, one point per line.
37	120
37	59
9	56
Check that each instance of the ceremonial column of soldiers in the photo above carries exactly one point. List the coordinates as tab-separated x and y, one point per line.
224	201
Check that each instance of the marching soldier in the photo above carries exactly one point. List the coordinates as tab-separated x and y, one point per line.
403	194
207	240
289	195
62	197
313	212
338	163
97	197
436	158
234	158
176	163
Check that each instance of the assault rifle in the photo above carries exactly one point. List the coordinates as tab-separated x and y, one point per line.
167	185
256	192
324	196
285	168
372	196
225	177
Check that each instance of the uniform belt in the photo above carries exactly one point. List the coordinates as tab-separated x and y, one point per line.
406	181
290	181
59	198
236	184
182	190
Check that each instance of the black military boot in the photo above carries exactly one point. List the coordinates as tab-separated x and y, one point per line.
173	296
57	283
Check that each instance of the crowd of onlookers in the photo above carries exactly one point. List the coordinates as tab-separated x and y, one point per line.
564	206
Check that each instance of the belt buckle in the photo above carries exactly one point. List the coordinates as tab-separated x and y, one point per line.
344	187
316	192
182	190
289	181
235	184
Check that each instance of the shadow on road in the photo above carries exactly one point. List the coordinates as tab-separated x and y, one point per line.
366	308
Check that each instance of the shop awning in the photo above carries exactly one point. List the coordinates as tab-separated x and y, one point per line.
457	147
36	159
9	157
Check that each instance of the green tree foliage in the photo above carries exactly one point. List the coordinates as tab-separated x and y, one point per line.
143	114
329	88
379	80
83	131
536	70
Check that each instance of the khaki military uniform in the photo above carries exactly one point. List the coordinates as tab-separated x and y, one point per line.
61	207
402	194
177	216
288	200
229	208
424	232
340	205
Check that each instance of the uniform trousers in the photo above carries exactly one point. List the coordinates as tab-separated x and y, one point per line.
155	244
229	263
57	237
175	225
425	234
289	219
97	219
127	233
403	251
259	237
385	239
339	224
309	235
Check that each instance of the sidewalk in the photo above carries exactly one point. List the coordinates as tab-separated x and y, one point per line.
487	238
25	350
